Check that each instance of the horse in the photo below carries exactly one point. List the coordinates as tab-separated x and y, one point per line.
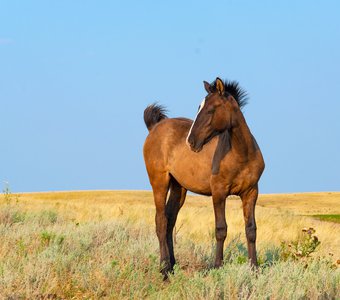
214	155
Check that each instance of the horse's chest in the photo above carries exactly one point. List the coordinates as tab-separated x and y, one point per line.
238	177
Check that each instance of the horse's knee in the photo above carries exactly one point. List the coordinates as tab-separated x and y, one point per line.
251	232
221	233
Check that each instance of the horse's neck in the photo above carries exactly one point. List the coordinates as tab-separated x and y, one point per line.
242	142
238	139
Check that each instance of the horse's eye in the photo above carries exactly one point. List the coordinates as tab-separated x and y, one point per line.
211	111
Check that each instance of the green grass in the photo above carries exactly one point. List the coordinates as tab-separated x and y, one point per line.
328	218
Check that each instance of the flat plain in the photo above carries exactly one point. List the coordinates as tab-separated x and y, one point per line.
102	245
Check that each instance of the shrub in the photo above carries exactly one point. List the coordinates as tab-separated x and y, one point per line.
47	217
303	247
10	215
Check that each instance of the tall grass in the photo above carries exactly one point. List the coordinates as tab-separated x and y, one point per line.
102	245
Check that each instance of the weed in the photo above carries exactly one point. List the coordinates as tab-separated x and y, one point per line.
21	247
301	248
47	237
9	197
10	215
236	252
114	263
47	217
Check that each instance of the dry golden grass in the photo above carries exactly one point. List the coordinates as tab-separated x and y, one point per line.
304	203
280	217
102	245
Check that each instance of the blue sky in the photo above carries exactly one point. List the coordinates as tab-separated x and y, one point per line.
75	77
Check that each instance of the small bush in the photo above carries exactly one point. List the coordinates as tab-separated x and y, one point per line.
10	215
46	237
47	217
8	196
236	252
301	248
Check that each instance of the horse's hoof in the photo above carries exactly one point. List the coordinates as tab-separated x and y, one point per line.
165	277
166	271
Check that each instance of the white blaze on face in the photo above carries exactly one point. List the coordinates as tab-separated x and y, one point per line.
200	108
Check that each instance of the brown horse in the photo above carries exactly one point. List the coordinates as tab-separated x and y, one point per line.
214	155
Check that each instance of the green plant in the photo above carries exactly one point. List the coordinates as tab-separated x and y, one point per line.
10	214
8	195
114	263
47	237
303	247
21	247
47	217
236	251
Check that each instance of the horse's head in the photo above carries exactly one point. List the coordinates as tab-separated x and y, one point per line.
216	112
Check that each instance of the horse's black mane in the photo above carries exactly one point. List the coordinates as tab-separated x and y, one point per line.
233	88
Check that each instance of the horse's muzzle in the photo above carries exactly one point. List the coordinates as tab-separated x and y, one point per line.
196	147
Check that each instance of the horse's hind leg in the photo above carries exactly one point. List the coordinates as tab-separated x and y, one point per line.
160	187
248	204
174	204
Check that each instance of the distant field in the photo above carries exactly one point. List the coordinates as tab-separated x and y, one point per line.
102	244
305	203
328	218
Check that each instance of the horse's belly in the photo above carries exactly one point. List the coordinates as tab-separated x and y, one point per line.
193	171
194	182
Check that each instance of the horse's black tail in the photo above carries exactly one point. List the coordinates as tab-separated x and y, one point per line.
153	114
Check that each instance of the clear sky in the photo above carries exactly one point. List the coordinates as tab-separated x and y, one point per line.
75	77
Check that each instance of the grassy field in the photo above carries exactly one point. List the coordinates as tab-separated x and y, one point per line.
102	245
329	218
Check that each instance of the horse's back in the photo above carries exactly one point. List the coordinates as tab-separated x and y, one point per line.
163	138
167	133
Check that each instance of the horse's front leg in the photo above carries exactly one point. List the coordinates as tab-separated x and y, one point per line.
248	204
220	225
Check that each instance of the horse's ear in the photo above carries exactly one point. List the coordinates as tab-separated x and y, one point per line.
220	86
207	86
